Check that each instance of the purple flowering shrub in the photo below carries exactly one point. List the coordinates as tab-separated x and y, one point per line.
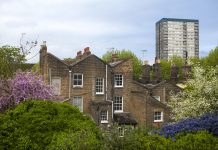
208	122
24	86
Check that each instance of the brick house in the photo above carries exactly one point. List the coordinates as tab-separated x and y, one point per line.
107	92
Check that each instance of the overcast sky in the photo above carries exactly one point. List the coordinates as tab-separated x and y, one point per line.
71	25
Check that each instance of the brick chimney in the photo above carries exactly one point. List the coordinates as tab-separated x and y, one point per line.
114	57
86	51
43	61
79	55
157	71
186	70
174	73
146	69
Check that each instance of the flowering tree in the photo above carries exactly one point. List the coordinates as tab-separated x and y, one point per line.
23	86
199	97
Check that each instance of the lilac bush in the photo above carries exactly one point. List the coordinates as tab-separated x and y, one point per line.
24	86
208	122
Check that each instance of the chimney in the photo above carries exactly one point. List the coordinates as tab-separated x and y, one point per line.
79	55
186	70
43	60
86	51
43	48
114	57
157	72
146	69
174	73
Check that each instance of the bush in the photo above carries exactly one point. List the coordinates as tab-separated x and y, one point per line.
47	125
201	140
208	122
138	139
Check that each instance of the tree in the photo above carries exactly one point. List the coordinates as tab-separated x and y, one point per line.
47	125
10	59
199	97
166	66
212	58
123	54
24	86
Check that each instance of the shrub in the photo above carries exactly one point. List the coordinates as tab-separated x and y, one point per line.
201	140
47	125
208	122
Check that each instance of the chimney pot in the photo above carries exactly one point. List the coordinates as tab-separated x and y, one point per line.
79	54
44	43
114	57
145	62
86	50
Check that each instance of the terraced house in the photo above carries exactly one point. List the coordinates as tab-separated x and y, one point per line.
107	92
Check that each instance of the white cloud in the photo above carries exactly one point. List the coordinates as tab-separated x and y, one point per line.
70	25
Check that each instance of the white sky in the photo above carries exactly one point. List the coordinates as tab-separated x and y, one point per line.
71	25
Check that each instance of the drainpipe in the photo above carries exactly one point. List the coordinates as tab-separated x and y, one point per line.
70	83
106	84
49	73
112	109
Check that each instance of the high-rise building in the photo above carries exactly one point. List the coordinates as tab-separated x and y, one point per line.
179	37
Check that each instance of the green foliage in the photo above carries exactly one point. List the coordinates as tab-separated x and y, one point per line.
35	68
195	141
47	125
212	58
142	139
209	61
123	54
166	66
10	60
138	138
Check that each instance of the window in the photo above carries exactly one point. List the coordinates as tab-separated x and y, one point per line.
78	102
121	131
157	97
104	116
158	116
56	84
77	80
118	80
99	85
118	104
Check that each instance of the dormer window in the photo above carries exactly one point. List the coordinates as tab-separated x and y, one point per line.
118	80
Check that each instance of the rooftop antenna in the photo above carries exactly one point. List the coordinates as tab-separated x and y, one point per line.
143	54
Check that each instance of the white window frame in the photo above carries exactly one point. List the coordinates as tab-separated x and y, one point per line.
104	120
157	97
161	116
99	93
121	131
79	107
115	85
118	111
77	79
59	88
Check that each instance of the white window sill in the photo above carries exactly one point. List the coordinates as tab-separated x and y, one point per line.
104	121
77	86
99	93
158	120
118	86
119	111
